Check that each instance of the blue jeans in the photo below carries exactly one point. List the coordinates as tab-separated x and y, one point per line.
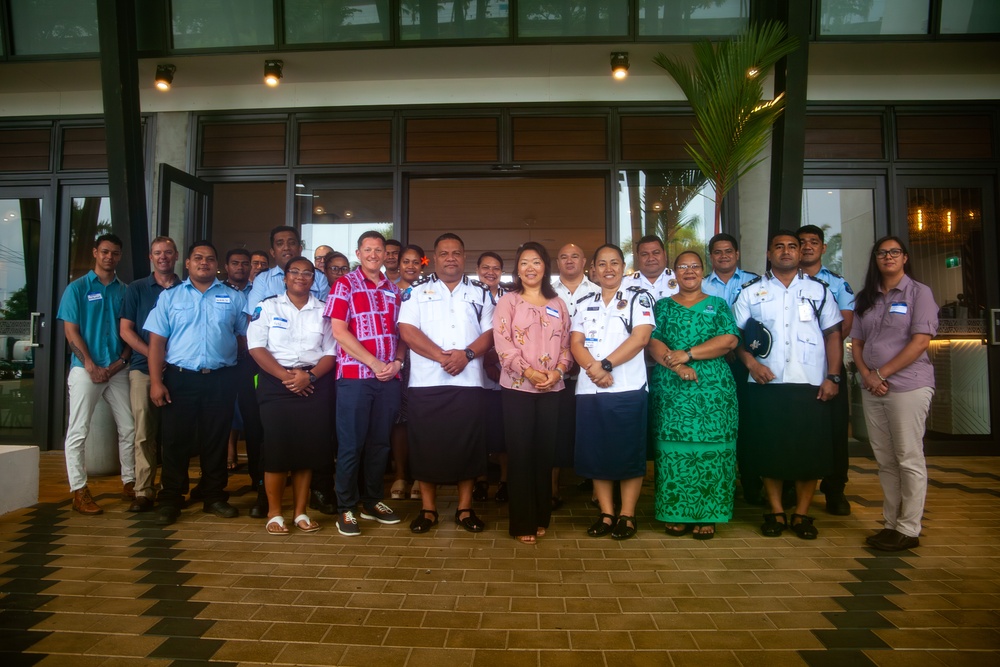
365	412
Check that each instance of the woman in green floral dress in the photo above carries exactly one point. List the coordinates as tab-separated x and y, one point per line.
692	399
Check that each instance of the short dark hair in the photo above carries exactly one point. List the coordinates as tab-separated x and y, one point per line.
415	248
617	249
389	242
204	243
811	229
284	228
238	251
780	232
300	258
448	236
110	238
262	253
370	234
337	255
718	238
490	253
650	238
548	291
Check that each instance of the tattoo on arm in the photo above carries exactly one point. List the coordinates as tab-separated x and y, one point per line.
76	352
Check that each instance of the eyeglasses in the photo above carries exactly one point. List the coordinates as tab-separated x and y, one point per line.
685	267
891	252
295	273
339	269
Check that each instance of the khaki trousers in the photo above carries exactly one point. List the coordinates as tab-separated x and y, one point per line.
147	426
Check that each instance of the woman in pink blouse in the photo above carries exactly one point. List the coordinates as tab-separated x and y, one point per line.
531	330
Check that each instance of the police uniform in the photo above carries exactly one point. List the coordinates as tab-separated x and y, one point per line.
201	329
272	282
839	287
664	286
799	445
712	285
445	415
294	439
572	299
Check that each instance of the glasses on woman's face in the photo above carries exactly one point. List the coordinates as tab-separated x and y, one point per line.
340	269
295	273
889	252
685	267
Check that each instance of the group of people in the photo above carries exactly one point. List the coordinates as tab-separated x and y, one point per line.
334	370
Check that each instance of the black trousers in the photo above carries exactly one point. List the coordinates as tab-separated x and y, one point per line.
253	429
834	484
530	424
196	421
323	476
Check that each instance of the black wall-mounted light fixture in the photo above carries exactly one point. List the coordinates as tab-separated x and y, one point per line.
164	77
272	72
619	64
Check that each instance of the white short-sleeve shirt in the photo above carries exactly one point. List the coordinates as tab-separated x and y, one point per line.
573	299
664	286
451	319
294	337
604	329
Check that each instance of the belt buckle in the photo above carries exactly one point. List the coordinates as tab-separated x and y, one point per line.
205	371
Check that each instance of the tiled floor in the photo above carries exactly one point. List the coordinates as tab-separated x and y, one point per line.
117	590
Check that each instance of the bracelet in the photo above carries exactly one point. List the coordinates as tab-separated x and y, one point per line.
562	376
880	375
690	356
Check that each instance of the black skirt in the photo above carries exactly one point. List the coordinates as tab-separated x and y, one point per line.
296	428
611	435
447	438
493	421
786	431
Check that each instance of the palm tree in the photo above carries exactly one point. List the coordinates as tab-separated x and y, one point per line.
725	88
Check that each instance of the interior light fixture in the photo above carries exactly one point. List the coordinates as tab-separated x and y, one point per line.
272	72
619	64
164	77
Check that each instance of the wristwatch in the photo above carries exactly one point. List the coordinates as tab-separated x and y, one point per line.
607	365
469	354
312	378
690	356
833	378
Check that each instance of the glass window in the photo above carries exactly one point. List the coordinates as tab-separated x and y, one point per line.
678	205
336	211
874	17
44	27
977	17
847	218
243	214
692	17
89	218
211	24
466	19
570	18
326	21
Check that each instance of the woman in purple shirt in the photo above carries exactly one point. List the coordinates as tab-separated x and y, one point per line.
895	318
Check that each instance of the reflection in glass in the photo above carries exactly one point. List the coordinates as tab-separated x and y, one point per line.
209	24
464	19
692	17
337	217
946	249
332	21
874	17
572	18
847	218
963	17
89	218
41	27
678	205
20	230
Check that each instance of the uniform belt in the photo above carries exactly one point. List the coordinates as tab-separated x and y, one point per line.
203	371
298	368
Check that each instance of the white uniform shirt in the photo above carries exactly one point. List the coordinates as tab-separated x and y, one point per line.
665	285
573	299
603	328
452	320
294	337
796	316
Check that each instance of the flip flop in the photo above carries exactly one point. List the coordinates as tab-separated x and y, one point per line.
526	539
311	526
279	522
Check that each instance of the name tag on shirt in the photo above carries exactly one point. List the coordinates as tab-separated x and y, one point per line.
898	307
551	312
805	312
591	340
223	299
279	323
95	296
590	308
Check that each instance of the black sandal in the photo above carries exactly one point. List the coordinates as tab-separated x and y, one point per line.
422	524
623	530
672	529
772	527
703	535
471	523
600	528
804	528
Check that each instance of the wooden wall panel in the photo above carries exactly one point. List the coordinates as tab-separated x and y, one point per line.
84	148
243	145
560	139
452	140
944	137
844	137
25	149
346	142
656	137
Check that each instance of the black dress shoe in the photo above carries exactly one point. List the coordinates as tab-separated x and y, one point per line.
141	504
600	528
481	491
260	506
320	500
221	509
471	522
426	520
837	505
167	514
880	535
896	541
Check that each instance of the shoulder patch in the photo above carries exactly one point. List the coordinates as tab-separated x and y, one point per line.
406	293
755	279
256	314
847	287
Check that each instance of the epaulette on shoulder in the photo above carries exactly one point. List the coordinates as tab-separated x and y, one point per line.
636	288
480	284
819	280
636	275
421	281
588	295
755	279
268	298
835	274
668	272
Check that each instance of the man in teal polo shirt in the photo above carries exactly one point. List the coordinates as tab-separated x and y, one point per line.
89	311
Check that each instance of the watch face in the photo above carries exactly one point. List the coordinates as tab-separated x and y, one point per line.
470	355
606	365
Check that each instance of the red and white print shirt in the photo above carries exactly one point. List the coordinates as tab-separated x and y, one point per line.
371	312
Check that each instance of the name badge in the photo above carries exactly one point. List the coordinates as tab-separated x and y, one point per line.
551	312
95	296
898	307
223	299
279	323
589	308
591	340
805	312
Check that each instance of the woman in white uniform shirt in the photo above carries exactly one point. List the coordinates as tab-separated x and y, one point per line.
609	333
293	344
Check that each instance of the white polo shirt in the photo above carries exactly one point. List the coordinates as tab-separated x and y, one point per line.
604	329
294	337
451	319
665	285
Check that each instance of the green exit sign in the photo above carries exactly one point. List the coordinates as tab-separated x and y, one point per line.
952	262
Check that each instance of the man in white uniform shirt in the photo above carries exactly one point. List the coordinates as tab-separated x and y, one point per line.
447	322
652	274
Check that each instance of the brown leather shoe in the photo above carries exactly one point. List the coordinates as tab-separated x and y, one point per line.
84	503
141	504
128	491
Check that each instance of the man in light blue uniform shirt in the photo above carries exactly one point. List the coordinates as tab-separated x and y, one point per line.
285	246
195	334
727	278
812	241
